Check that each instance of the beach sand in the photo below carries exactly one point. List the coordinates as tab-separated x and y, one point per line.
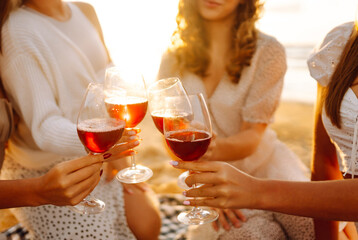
293	125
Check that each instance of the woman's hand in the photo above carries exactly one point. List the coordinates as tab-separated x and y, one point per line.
69	182
224	185
116	157
123	148
226	216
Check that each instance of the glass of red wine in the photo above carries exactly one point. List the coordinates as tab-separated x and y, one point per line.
188	137
130	108
98	132
157	92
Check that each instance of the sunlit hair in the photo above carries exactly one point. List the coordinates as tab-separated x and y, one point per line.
343	77
190	44
6	6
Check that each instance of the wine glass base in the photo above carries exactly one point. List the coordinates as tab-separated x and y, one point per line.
136	175
203	216
91	206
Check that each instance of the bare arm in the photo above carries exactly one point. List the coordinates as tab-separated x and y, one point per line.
237	146
228	187
324	166
65	184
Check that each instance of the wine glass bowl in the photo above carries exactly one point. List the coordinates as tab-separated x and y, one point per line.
157	92
188	133
131	108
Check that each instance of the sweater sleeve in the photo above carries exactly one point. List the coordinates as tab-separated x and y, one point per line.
265	91
28	86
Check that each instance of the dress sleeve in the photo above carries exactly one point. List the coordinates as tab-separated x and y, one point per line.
326	55
265	92
27	85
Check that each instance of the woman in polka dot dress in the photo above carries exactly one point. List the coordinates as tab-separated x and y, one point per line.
50	51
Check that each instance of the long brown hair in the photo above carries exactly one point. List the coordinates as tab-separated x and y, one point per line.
342	78
189	42
6	6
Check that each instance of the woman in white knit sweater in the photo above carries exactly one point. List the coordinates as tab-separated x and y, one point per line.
218	51
51	51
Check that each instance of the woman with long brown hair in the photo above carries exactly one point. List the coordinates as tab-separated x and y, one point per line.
334	64
218	51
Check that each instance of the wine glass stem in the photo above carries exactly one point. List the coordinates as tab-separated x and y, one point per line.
133	164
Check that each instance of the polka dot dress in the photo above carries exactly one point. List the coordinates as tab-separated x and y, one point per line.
52	222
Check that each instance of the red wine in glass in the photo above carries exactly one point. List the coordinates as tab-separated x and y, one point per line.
99	135
188	145
133	110
177	117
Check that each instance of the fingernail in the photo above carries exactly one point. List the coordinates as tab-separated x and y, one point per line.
186	202
131	153
173	163
107	155
131	132
184	193
132	137
101	172
136	143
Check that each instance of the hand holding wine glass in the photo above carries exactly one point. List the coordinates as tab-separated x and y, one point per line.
189	138
98	132
131	108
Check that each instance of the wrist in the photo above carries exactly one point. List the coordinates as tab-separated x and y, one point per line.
35	192
263	196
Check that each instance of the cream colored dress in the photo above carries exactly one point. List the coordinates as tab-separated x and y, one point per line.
46	66
254	99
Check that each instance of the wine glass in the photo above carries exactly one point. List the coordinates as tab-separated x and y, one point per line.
98	132
157	92
189	138
131	108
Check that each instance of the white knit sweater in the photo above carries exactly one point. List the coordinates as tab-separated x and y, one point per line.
46	74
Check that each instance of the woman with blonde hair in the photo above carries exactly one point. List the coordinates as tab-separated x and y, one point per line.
50	51
218	51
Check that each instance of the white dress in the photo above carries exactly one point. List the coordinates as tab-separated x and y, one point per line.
254	99
46	66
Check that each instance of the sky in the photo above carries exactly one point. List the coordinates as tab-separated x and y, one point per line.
138	31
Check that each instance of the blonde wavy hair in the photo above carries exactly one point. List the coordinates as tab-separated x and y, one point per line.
190	45
6	6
